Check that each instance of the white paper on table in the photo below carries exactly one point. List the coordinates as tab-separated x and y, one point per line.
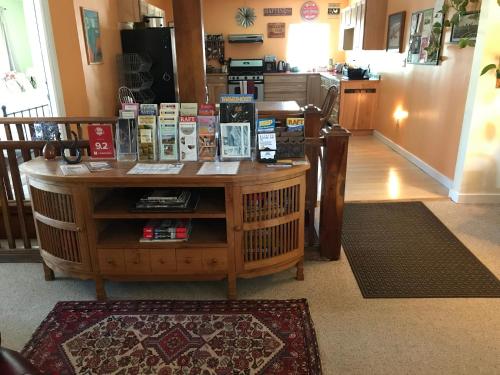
227	167
74	170
158	168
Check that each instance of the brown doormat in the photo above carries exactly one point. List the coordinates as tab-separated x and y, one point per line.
176	337
401	250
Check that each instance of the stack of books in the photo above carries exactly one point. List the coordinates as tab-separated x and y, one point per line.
166	230
167	200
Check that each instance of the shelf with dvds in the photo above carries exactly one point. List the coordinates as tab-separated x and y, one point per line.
119	203
127	234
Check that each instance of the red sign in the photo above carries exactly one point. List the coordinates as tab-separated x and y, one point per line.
309	10
101	141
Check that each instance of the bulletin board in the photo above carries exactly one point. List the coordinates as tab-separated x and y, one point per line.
426	31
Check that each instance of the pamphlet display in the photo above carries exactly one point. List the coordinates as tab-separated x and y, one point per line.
290	139
101	141
146	138
266	140
167	137
189	109
188	140
235	141
149	109
126	136
169	109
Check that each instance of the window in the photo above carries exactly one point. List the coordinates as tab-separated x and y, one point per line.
308	45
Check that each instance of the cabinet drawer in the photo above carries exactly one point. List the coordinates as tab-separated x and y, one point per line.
189	260
215	260
163	261
111	261
137	261
287	78
286	88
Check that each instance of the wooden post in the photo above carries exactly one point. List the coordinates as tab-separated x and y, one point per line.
312	116
190	48
333	192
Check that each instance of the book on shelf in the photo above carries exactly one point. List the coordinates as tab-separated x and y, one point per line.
148	109
207	142
166	230
147	137
167	137
189	109
168	200
188	141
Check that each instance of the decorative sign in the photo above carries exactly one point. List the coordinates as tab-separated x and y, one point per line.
101	141
277	12
276	30
333	10
309	11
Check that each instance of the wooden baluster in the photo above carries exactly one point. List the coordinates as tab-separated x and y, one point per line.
8	132
18	191
5	204
333	189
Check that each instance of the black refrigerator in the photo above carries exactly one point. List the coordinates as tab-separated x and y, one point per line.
159	45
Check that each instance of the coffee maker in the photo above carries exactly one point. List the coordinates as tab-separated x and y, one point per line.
269	64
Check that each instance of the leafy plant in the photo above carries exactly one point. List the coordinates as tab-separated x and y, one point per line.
461	8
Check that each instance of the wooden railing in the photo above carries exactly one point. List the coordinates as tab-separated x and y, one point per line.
326	149
17	231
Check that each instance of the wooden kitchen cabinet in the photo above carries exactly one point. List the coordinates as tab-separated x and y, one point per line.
358	101
135	10
363	25
216	86
286	86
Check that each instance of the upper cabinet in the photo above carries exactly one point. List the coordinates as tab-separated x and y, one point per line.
135	10
362	25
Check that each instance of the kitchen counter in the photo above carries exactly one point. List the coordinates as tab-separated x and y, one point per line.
328	75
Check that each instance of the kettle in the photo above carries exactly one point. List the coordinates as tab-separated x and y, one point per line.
282	66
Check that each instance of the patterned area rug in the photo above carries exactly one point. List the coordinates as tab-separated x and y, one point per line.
176	337
402	250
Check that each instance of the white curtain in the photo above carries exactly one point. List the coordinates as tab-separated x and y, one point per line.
6	58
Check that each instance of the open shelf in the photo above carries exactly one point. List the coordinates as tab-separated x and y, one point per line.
117	203
126	235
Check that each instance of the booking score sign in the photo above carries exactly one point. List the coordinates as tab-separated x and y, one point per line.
101	141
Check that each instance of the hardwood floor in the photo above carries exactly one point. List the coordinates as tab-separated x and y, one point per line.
377	173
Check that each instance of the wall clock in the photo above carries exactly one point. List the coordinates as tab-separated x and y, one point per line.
245	17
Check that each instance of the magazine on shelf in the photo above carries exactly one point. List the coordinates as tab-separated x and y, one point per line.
146	137
167	137
166	230
242	113
188	141
189	109
235	143
207	142
149	109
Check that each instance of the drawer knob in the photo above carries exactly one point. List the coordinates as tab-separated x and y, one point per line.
188	261
213	262
161	261
111	262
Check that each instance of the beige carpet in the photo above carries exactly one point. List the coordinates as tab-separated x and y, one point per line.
356	335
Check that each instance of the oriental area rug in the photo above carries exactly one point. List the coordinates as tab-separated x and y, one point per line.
176	337
402	250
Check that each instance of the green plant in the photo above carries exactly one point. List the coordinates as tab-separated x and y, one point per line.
461	8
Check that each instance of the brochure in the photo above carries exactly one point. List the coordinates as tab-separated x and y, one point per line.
189	109
207	144
147	137
210	168
167	126
74	170
156	168
188	141
97	166
149	109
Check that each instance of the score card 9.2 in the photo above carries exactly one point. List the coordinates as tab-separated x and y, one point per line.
101	141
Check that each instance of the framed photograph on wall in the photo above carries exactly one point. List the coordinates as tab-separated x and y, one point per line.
466	28
395	32
426	30
92	33
235	141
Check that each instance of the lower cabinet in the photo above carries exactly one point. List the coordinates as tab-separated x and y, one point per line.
284	87
358	102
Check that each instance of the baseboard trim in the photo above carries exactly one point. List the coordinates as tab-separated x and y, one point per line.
435	174
474	198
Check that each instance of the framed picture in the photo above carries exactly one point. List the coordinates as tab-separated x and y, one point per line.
235	141
92	32
466	27
395	32
426	32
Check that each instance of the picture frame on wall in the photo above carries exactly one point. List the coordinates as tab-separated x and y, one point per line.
426	31
92	34
395	32
467	27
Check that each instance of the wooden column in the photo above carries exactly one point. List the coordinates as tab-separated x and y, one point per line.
190	48
312	116
333	192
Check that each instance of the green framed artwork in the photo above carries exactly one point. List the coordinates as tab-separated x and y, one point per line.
425	37
92	33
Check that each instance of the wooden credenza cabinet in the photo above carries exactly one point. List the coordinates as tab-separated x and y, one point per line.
216	86
245	225
135	10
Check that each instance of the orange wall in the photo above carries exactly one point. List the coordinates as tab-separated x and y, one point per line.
88	90
434	96
219	17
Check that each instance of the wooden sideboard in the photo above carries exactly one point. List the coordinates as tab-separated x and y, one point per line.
245	225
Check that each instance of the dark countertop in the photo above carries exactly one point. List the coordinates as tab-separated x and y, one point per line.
328	75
